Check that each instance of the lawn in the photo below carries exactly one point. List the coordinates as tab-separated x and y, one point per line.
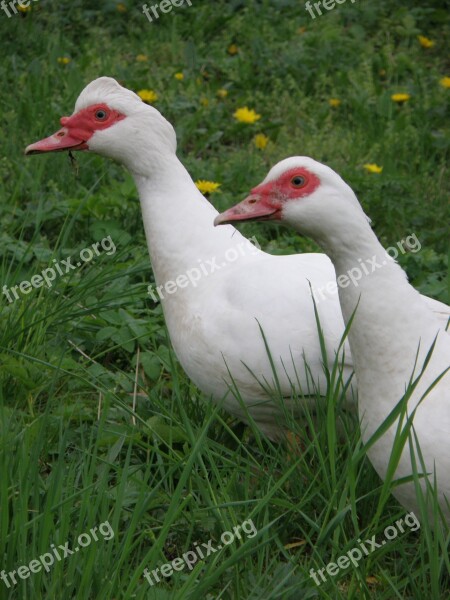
102	432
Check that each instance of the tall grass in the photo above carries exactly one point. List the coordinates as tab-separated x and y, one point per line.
76	358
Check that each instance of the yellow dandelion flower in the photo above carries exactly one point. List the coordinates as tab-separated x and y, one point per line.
63	60
204	102
334	102
222	93
148	96
246	115
445	82
141	58
425	42
121	7
373	168
207	187
24	9
179	76
260	140
233	49
400	98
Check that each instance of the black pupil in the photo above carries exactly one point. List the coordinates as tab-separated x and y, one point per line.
100	114
298	180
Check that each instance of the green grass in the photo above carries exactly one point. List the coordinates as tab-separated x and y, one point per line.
178	471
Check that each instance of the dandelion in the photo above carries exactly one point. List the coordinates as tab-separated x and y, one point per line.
400	98
445	82
260	140
148	96
373	168
204	102
334	102
179	76
207	187
141	58
24	9
63	60
425	42
233	49
222	93
121	7
246	115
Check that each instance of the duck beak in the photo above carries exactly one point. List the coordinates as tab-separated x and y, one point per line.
59	141
254	208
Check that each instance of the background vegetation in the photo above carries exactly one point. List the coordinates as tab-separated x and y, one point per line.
72	455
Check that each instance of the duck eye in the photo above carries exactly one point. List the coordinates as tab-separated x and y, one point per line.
298	181
101	115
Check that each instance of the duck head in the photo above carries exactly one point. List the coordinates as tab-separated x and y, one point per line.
303	193
114	122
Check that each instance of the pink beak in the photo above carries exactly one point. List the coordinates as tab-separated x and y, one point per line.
254	208
61	140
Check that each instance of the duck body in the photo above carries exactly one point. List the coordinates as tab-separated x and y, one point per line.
216	323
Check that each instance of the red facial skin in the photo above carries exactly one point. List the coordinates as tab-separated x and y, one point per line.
265	202
77	130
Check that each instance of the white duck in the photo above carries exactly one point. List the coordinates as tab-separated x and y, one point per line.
213	324
391	323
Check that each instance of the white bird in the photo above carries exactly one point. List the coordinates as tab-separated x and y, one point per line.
393	329
214	319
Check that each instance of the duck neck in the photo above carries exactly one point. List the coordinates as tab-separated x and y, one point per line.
390	321
178	221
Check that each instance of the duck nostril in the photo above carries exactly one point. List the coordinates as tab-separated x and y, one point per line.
61	134
252	201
